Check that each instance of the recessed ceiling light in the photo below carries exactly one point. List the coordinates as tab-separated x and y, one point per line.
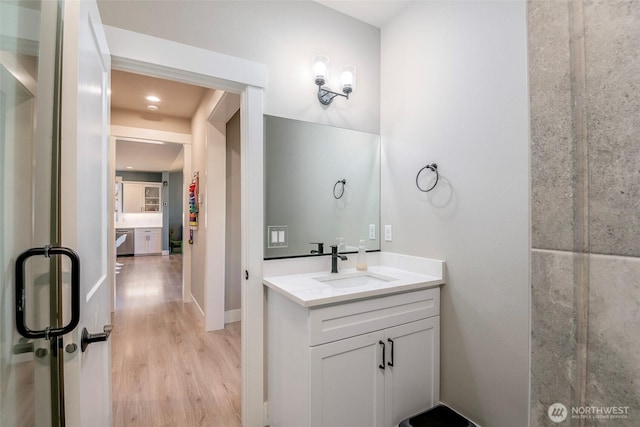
129	167
152	98
151	107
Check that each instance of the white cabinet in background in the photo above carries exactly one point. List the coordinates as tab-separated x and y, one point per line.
141	197
148	241
370	362
132	197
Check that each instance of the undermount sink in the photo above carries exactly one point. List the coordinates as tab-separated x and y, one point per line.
350	280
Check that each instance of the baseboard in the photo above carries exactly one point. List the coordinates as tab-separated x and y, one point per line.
165	252
231	316
265	415
195	301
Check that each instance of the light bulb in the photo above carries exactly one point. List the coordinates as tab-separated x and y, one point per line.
347	78
320	66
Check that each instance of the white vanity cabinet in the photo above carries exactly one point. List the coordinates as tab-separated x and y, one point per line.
370	362
148	241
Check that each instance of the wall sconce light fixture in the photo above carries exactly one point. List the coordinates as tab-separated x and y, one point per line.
320	66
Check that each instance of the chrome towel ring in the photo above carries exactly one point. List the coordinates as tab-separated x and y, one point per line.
343	182
433	168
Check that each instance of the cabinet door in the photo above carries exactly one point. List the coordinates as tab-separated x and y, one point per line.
132	197
152	198
346	383
141	246
413	371
155	242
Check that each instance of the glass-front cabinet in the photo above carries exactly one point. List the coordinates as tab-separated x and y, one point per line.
151	198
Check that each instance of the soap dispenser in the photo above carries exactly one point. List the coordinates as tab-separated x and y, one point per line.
361	265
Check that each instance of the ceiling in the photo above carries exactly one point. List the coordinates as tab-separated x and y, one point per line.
128	92
148	157
373	12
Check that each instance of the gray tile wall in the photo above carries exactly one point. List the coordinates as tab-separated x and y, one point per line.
584	76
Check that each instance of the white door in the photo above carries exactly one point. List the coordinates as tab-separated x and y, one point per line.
84	212
347	382
413	366
46	198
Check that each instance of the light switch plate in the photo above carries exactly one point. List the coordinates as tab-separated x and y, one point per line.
372	231
388	235
277	236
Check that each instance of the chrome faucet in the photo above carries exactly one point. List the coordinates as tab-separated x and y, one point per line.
334	258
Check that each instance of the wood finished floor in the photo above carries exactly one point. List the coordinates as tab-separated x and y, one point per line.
166	371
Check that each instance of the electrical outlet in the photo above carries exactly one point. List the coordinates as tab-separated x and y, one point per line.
372	231
388	234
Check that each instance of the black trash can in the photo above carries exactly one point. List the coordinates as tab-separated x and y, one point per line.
438	416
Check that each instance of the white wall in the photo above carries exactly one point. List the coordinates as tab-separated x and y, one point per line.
208	252
283	35
454	92
199	163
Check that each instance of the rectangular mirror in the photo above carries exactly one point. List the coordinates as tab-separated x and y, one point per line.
306	201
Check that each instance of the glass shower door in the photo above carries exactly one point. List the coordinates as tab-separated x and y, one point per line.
31	386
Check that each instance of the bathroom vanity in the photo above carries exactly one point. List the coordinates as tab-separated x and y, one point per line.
354	348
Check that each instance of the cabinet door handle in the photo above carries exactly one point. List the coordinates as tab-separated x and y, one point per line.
383	355
391	361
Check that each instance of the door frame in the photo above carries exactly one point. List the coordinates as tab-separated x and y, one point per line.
118	132
144	54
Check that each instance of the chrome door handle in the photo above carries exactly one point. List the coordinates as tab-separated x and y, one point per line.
88	338
48	332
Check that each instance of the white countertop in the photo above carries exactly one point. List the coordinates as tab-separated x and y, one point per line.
308	292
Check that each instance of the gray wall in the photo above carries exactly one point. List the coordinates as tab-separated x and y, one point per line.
140	176
165	211
454	92
175	203
233	268
585	132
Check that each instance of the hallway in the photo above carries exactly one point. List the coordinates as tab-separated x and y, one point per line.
166	371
